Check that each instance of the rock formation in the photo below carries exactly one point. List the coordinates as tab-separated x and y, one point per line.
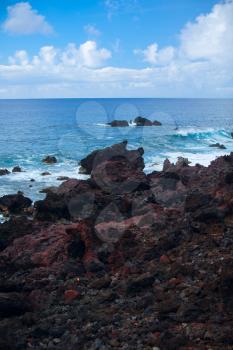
122	260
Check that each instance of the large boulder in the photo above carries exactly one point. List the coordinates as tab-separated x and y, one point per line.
118	123
141	121
16	226
69	200
115	152
17	169
114	170
119	176
14	203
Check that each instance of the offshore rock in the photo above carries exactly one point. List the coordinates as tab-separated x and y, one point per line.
50	160
4	172
118	123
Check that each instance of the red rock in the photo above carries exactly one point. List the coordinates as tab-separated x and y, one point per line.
71	295
164	259
174	281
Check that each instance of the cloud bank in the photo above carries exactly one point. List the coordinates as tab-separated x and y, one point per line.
200	66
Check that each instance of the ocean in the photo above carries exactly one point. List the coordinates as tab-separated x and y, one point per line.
71	128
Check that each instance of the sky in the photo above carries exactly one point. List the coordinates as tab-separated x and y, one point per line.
116	48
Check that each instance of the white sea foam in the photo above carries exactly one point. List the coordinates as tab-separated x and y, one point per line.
192	130
103	125
1	219
156	163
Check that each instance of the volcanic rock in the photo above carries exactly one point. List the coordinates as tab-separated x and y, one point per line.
113	153
50	160
143	265
17	169
62	178
14	203
4	172
141	121
118	123
218	145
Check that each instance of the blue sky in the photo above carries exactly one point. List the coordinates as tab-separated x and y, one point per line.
116	48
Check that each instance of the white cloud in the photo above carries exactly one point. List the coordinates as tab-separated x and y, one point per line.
24	20
20	58
92	30
155	56
47	55
210	37
200	66
86	55
91	56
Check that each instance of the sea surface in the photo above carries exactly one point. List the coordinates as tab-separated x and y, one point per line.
72	128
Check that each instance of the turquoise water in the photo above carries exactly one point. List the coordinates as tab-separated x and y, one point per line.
71	128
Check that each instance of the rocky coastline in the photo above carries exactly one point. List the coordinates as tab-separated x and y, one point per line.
122	260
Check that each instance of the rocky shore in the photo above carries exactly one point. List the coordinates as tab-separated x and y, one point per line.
123	260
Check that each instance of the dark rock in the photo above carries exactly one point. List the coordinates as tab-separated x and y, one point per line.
50	160
12	304
122	253
157	123
141	121
218	145
115	152
76	248
14	203
17	169
119	176
45	173
229	178
119	123
100	283
196	200
182	162
14	228
62	178
140	283
4	172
